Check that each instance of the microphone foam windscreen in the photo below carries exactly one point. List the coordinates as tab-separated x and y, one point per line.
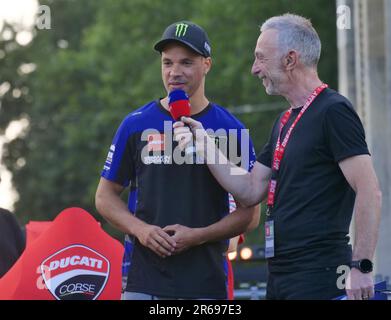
179	104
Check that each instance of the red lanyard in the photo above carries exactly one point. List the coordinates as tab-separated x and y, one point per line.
280	147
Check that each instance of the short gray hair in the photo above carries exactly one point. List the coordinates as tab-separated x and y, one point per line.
297	33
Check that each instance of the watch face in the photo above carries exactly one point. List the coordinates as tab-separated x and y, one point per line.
366	265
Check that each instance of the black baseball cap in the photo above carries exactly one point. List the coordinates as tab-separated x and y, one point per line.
187	33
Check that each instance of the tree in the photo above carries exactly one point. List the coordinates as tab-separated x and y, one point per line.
38	180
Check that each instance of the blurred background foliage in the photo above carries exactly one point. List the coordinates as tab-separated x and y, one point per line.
76	82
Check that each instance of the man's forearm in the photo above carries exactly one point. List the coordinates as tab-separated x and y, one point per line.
232	178
243	185
115	211
367	219
230	226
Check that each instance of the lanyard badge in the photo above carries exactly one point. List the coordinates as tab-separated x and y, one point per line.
269	239
277	158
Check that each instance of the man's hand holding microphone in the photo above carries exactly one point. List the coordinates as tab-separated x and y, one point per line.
185	126
183	132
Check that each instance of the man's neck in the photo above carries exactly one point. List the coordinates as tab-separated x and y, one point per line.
298	91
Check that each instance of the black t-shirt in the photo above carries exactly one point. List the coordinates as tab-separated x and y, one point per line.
12	241
314	202
170	193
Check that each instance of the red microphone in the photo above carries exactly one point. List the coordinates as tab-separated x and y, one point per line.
179	104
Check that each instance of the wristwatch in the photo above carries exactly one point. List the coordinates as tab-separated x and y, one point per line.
364	265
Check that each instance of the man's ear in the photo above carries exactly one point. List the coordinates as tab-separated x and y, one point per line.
208	64
291	60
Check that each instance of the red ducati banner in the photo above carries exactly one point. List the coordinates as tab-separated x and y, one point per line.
71	259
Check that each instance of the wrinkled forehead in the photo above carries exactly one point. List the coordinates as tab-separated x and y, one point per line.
267	41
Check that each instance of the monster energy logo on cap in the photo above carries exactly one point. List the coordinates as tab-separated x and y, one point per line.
187	33
181	29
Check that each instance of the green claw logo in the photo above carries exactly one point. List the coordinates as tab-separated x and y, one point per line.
181	29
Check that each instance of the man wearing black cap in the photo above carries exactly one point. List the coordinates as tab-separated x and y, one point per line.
194	37
179	224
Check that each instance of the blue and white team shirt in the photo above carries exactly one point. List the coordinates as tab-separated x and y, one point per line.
164	191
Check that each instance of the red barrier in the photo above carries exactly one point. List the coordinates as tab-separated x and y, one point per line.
71	258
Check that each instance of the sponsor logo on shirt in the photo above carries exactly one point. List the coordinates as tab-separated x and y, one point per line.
166	150
157	160
156	142
109	158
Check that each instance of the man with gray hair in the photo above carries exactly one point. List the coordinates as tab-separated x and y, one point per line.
314	171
